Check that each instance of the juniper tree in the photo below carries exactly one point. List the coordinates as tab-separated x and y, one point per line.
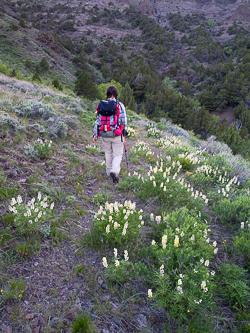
127	98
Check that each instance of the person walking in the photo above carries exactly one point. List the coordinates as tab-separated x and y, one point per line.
110	126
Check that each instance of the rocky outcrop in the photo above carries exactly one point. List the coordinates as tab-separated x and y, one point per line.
242	13
145	7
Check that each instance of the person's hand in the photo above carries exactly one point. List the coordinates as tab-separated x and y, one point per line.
124	132
95	139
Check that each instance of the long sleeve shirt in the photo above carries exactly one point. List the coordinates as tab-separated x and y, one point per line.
123	118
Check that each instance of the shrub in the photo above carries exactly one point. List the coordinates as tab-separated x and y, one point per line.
153	132
31	217
231	212
57	84
57	128
116	224
163	186
44	64
177	131
232	281
8	123
35	110
41	149
242	242
215	147
83	324
3	69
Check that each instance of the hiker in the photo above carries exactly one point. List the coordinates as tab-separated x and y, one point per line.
110	125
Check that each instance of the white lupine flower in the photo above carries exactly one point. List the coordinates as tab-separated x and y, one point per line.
52	205
126	257
44	213
182	234
180	290
192	238
140	217
242	225
154	183
202	260
150	294
158	219
108	229
176	241
162	270
161	185
104	262
36	210
19	200
179	282
116	225
208	240
153	242
36	220
115	252
206	263
10	208
214	244
215	250
195	224
164	241
30	221
13	201
203	285
110	218
142	222
164	189
117	263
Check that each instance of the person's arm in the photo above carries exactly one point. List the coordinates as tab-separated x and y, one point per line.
123	115
95	130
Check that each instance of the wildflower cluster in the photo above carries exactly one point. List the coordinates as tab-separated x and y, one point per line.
30	217
218	176
141	148
153	132
242	241
165	182
184	278
118	222
43	148
93	148
130	131
168	141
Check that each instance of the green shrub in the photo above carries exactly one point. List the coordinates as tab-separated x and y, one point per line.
231	212
44	64
83	324
164	185
40	150
31	217
116	224
242	243
232	282
8	123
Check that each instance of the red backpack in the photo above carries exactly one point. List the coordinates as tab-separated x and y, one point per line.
108	116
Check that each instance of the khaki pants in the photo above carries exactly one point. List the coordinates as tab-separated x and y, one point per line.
113	152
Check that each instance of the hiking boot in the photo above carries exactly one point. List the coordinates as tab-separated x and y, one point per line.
114	177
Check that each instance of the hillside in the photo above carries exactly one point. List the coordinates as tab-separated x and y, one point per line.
186	202
185	61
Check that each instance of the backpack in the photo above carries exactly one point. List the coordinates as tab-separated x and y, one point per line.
108	118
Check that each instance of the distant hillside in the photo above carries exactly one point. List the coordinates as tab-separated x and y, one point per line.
183	60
